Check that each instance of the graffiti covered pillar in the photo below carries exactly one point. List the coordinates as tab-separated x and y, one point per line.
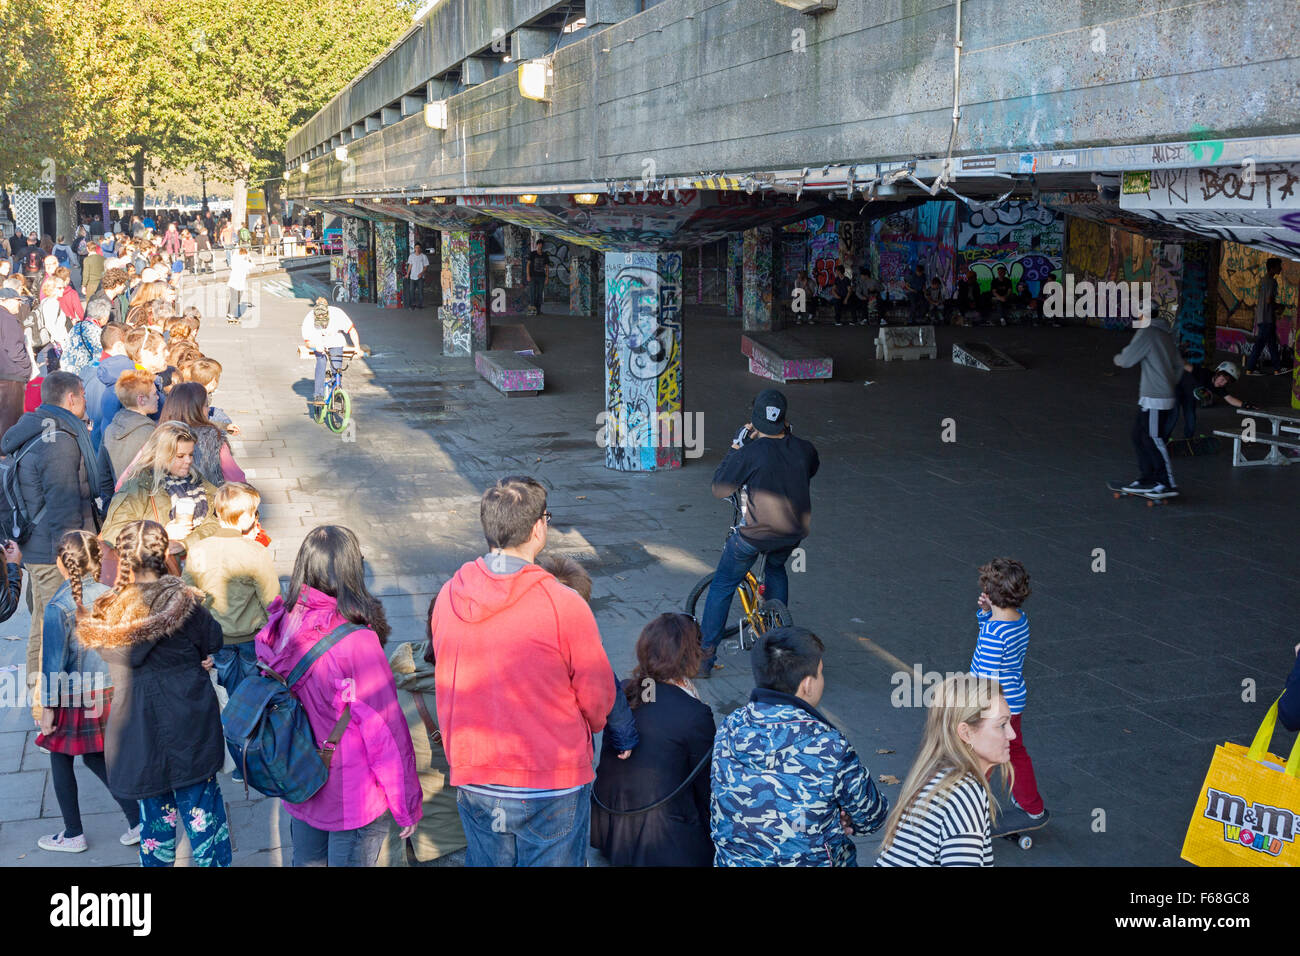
643	421
732	272
758	277
349	275
581	281
386	278
852	242
1196	299
514	240
464	313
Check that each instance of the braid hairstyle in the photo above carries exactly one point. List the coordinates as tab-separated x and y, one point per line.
140	545
79	551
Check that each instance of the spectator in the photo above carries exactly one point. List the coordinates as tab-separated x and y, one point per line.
843	293
164	739
523	683
536	267
59	480
114	286
84	341
189	248
112	341
131	427
967	304
788	788
867	296
372	773
439	838
188	403
237	575
15	361
805	305
92	270
78	694
675	733
145	350
934	301
416	263
916	285
1266	322
944	814
13	580
163	485
203	247
1000	290
237	283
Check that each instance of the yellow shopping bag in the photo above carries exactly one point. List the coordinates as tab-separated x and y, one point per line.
1249	808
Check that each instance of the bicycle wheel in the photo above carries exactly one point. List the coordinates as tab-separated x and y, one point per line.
699	595
338	411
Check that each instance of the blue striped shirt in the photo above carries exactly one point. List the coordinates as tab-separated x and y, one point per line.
1000	654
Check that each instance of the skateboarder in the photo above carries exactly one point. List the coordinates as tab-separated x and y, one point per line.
1153	348
1199	387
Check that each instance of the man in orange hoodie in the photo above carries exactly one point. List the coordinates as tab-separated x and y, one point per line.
522	684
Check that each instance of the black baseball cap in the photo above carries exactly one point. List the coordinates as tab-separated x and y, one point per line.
769	412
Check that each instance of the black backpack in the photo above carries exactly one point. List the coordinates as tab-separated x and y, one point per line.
18	524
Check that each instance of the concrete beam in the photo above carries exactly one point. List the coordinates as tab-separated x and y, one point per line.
809	6
530	43
373	124
391	115
412	105
438	90
475	70
358	130
603	13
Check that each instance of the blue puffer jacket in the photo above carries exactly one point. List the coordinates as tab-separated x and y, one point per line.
781	775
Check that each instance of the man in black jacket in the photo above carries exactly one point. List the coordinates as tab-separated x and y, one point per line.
15	361
771	469
59	481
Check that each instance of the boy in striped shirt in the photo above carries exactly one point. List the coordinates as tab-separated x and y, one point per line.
1000	655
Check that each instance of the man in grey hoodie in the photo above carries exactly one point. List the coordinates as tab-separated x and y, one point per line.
1153	348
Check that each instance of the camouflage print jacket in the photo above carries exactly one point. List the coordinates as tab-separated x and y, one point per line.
781	775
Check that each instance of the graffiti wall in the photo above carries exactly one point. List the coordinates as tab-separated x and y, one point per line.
735	262
643	359
464	293
387	286
1196	319
351	276
1025	237
757	269
1096	252
580	281
925	235
514	242
1241	270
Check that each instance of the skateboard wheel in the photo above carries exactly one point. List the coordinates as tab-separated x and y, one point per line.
1026	842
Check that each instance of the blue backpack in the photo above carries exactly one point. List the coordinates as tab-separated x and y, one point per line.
269	734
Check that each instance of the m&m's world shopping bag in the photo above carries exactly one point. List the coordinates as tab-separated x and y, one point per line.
1248	813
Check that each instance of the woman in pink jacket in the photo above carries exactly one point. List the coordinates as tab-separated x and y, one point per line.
373	772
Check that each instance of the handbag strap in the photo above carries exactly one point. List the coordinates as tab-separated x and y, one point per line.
430	726
1259	746
318	650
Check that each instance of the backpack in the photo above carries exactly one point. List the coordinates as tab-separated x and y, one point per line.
61	254
268	732
13	510
244	234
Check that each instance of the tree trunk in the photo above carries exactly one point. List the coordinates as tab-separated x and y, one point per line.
137	183
239	205
274	199
65	208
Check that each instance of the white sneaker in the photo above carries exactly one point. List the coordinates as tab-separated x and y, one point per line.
130	837
61	844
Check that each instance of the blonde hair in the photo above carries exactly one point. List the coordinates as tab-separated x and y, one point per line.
133	385
159	451
961	699
236	504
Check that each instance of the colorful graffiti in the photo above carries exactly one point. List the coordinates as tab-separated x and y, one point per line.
643	359
514	241
757	278
734	273
580	281
387	286
1026	238
1241	270
464	293
1101	253
365	263
351	278
925	235
1195	320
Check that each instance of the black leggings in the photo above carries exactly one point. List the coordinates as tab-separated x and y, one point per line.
65	790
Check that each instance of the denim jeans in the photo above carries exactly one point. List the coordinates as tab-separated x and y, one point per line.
359	847
546	831
233	663
536	291
737	557
415	293
1265	339
336	357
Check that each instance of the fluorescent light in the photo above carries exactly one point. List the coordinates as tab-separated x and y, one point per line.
435	114
535	78
586	199
341	153
440	200
528	199
305	169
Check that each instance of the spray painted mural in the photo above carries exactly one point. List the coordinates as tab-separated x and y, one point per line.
1241	270
464	313
351	277
1100	253
643	360
1025	237
735	263
926	235
1196	336
580	281
386	284
757	269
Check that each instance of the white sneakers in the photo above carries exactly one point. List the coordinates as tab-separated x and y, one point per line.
130	837
58	843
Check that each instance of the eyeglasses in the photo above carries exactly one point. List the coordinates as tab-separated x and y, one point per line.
545	516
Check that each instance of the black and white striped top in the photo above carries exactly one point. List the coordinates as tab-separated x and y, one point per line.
953	832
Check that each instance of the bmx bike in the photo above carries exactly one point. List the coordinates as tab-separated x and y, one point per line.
335	410
757	614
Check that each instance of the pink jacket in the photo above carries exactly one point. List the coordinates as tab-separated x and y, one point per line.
373	770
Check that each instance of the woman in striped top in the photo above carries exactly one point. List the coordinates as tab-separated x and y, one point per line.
944	814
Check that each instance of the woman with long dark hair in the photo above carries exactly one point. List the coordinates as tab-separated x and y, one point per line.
163	744
372	771
652	808
188	403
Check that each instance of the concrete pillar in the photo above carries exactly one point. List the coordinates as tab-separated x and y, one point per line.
758	279
387	280
515	241
348	275
581	280
732	272
853	243
464	312
1198	296
643	420
531	43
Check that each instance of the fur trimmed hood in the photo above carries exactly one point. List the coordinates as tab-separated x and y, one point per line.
142	614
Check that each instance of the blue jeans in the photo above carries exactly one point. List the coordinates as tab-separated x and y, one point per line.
336	357
1265	338
359	847
234	662
547	831
737	557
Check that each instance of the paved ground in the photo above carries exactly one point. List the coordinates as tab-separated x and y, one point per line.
1134	674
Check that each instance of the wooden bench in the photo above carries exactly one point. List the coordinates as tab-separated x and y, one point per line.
783	358
508	372
1277	441
906	342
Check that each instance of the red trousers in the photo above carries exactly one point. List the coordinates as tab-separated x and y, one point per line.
1025	786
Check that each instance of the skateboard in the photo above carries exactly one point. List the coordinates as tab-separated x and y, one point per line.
1015	826
1119	491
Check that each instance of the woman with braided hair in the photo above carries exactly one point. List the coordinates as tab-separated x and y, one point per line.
163	742
78	693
